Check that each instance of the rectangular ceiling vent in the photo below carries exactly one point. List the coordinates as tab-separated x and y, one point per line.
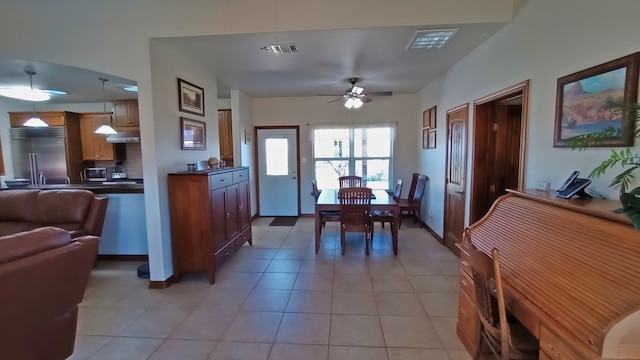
283	48
431	39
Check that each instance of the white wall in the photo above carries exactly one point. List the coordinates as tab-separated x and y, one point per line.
547	40
243	150
305	111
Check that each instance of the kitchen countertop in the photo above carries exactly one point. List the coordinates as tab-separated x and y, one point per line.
97	188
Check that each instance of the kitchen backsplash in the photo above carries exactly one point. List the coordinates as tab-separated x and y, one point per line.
133	164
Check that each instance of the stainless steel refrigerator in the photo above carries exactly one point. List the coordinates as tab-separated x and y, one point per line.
39	154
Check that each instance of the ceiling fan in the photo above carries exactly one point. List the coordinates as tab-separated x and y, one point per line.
355	96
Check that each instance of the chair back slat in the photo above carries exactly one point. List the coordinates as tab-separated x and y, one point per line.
397	190
412	188
350	181
355	208
416	196
314	190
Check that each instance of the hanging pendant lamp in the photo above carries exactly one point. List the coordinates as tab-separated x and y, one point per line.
105	128
34	120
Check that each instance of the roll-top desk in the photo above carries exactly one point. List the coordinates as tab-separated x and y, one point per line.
571	274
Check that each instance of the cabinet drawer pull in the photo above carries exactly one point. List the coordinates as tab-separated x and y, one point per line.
226	253
465	263
464	282
221	180
228	215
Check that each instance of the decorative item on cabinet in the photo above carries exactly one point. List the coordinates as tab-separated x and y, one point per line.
225	135
210	218
125	114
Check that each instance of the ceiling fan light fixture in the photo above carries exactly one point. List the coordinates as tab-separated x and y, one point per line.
431	39
349	103
357	103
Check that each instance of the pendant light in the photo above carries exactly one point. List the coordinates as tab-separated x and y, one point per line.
105	128
34	120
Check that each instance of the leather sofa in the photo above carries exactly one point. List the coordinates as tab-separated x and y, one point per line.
78	211
43	276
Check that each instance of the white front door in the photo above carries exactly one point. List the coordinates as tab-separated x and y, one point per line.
278	172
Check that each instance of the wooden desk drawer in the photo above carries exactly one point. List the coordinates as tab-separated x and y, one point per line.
467	316
223	254
556	348
240	175
465	264
524	312
466	285
220	180
243	238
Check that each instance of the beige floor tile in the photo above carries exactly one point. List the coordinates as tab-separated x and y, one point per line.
410	332
249	252
284	266
204	325
156	323
127	349
416	354
391	283
224	299
343	266
446	328
304	301
240	351
384	267
431	284
86	346
295	351
356	330
290	254
440	304
141	297
314	282
299	328
357	353
184	350
406	304
354	303
458	355
253	327
249	265
448	267
105	320
277	281
234	280
352	282
317	266
267	300
443	254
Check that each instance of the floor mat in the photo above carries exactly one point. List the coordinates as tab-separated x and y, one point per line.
284	221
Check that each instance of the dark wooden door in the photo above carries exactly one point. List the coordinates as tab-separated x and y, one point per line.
454	207
218	218
244	219
503	152
233	228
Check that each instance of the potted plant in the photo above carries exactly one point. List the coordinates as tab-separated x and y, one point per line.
628	159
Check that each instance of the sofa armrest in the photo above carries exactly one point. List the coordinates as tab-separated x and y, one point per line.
23	244
94	221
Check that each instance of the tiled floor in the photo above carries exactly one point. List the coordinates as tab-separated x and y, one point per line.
278	300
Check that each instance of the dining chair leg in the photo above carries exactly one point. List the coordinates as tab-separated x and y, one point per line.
366	242
342	241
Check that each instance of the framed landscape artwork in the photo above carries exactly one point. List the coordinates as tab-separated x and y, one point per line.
429	126
190	97
193	134
591	100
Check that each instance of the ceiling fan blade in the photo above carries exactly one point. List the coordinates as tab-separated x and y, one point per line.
380	93
338	99
328	95
366	99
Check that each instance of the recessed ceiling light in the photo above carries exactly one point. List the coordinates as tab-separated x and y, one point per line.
24	93
132	88
55	92
430	39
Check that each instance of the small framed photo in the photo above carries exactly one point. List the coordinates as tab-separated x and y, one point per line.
247	136
190	97
193	134
432	139
429	118
425	138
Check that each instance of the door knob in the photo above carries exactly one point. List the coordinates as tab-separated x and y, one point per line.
294	177
459	191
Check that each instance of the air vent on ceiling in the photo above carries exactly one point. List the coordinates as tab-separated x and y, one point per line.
430	39
281	48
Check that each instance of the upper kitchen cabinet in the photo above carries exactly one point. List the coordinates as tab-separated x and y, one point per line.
53	118
226	135
125	114
95	146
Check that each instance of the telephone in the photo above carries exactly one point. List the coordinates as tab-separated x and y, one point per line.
574	186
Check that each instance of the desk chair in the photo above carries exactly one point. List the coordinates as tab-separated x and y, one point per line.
324	215
412	204
355	213
505	340
350	181
386	216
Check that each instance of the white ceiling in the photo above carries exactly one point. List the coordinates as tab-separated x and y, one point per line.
323	65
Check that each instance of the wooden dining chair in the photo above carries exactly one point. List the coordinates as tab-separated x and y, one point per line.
350	181
327	215
505	340
355	213
386	216
412	204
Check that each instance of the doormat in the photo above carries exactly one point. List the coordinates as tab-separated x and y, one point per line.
284	221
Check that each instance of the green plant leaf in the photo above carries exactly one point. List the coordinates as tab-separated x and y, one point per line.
635	220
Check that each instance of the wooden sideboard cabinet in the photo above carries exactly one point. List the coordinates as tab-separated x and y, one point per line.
210	218
125	114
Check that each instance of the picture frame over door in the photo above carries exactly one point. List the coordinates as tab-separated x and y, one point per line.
593	99
190	98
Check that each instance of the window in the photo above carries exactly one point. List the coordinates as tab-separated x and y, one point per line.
362	151
277	156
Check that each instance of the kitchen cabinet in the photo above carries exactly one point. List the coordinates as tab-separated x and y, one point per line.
95	146
226	135
210	218
53	118
125	114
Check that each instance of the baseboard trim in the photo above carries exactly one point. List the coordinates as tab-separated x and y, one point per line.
123	257
156	284
433	233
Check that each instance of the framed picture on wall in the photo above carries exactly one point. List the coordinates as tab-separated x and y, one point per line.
425	138
193	134
432	139
190	97
593	99
429	118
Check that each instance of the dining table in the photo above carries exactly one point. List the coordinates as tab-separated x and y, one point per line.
381	200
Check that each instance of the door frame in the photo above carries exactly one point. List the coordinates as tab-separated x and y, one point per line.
481	117
256	156
446	174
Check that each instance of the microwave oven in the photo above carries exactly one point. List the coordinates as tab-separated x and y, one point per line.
95	174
